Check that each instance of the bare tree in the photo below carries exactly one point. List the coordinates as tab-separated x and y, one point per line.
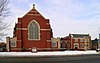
4	12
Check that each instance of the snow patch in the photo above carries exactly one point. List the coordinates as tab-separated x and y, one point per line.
57	53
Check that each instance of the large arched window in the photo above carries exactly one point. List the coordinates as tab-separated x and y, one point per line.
33	30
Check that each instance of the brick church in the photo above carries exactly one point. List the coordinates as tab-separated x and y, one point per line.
33	31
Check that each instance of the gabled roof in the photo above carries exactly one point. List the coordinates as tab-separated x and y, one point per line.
79	35
33	12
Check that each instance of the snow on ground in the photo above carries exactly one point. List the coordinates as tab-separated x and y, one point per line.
57	53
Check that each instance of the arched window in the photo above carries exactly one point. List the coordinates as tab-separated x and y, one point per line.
33	30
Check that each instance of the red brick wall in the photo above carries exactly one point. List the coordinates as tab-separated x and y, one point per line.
22	35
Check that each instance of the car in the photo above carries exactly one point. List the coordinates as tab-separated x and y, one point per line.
98	49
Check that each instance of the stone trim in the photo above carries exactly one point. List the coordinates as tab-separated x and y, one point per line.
22	29
33	11
19	40
34	14
48	40
27	29
45	29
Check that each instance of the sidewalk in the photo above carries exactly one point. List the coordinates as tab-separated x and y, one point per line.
57	53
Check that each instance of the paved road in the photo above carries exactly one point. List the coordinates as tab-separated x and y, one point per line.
54	59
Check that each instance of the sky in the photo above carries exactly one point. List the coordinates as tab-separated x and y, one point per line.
66	16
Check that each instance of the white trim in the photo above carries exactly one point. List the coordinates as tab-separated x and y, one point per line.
48	40
18	28
33	11
7	43
22	29
34	14
29	14
45	29
19	40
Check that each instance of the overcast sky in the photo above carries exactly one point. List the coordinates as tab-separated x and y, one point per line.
66	16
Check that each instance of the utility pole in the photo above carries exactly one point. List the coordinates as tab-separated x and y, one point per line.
99	38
